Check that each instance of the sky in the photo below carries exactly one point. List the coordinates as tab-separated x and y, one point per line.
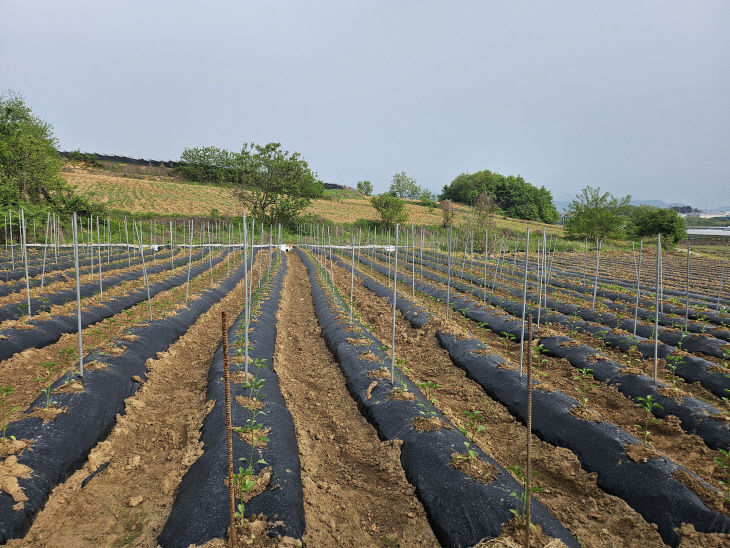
633	97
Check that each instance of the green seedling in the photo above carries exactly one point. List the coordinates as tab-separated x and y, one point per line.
647	404
429	388
672	361
723	463
401	370
68	356
47	380
522	478
585	385
633	349
473	425
539	360
5	392
506	339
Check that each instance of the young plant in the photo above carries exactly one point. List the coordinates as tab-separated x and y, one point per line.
539	360
723	463
522	478
633	349
68	356
584	377
5	392
672	361
243	480
47	380
506	339
647	404
401	370
473	424
429	388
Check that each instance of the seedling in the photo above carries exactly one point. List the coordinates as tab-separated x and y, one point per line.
584	377
47	380
68	356
723	463
647	404
522	478
429	408
539	360
630	353
506	339
401	369
473	424
672	361
5	392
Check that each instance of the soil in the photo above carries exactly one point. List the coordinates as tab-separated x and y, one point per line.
423	424
641	453
149	450
355	490
479	470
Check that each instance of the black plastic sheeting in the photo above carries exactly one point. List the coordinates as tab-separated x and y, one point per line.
13	311
53	275
690	368
201	512
461	510
49	331
583	291
694	415
417	316
647	487
61	446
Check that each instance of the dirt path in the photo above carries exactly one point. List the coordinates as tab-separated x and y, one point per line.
149	450
355	491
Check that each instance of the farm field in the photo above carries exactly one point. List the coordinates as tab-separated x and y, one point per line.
357	418
162	195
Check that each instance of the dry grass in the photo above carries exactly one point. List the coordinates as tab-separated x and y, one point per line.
164	196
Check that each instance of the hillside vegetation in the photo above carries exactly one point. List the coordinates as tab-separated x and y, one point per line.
139	193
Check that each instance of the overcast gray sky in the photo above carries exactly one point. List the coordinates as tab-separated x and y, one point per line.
630	96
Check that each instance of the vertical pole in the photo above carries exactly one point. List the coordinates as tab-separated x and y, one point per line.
486	245
686	301
595	284
638	286
352	275
395	296
98	237
45	250
245	293
129	249
172	245
229	428
524	298
528	471
144	269
190	259
656	304
74	229
722	280
23	238
448	278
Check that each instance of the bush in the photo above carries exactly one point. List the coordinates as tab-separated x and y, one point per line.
390	208
650	221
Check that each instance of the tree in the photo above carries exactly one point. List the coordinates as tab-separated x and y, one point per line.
208	165
596	215
275	184
365	187
30	166
390	208
449	213
404	186
480	218
513	195
650	221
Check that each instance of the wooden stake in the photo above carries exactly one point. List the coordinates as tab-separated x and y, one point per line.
229	440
